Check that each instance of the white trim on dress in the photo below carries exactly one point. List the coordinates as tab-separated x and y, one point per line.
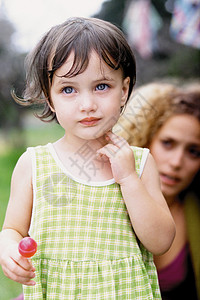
33	161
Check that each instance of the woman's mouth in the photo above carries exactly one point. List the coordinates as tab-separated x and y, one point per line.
169	179
89	121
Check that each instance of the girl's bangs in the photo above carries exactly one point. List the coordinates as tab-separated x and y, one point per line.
82	53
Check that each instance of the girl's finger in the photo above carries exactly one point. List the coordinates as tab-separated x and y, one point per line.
23	280
23	262
17	270
109	150
26	264
15	256
116	140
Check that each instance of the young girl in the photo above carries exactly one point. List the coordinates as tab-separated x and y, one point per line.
170	128
92	203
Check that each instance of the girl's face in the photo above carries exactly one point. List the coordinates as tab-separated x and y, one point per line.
88	105
176	150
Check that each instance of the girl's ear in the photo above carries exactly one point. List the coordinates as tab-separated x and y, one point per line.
125	89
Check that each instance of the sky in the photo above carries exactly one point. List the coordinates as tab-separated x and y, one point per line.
32	18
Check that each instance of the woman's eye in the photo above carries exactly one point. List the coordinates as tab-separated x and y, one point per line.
194	152
101	87
166	143
68	90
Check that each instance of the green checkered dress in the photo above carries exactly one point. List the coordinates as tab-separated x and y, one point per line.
87	248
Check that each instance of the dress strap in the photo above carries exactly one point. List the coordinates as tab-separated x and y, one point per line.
143	160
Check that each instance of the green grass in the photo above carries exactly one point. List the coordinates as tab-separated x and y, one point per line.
8	288
38	135
41	135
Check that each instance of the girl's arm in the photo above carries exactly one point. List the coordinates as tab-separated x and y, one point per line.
147	208
16	224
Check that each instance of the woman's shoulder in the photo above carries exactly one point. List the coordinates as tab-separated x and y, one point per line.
192	216
192	207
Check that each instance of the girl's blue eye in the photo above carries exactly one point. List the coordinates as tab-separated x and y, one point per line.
68	90
101	87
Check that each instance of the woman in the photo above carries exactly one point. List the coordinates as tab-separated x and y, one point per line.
166	119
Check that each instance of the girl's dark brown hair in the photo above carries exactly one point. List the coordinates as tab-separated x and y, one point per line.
80	36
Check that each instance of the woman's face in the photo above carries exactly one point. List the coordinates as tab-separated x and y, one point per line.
176	150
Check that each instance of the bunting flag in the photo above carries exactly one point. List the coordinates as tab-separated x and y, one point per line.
185	24
141	24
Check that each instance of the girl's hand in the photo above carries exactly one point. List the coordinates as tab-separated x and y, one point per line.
120	155
16	267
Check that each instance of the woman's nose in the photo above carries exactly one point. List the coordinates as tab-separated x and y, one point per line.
177	158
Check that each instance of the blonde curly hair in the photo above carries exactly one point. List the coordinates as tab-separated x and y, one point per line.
151	105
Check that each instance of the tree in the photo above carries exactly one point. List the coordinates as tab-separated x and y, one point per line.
113	11
11	75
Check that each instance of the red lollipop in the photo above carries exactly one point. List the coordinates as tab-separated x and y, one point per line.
27	247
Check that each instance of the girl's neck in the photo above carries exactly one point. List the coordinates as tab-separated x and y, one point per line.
86	166
74	145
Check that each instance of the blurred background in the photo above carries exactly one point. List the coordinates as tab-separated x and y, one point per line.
165	37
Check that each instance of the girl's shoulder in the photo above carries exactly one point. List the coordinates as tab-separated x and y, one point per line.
24	163
39	153
22	172
141	155
40	149
140	152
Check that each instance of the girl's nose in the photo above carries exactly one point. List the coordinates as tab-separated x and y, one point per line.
87	103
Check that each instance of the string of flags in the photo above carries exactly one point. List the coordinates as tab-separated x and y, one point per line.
142	23
185	23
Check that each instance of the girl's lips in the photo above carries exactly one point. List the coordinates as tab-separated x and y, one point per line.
89	121
169	180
